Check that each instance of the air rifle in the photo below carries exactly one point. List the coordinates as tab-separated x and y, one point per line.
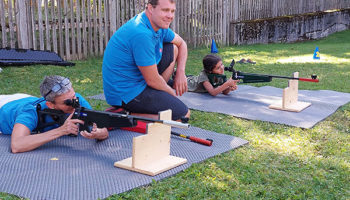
100	118
104	119
258	78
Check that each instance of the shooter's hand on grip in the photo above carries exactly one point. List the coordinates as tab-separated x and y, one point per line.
71	126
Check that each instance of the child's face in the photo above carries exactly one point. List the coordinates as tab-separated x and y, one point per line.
219	68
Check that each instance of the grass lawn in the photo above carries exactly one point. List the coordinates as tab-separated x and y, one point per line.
280	162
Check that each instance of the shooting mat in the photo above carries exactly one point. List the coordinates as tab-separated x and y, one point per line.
252	103
79	168
21	57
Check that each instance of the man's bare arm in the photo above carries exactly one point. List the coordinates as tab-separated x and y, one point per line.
180	82
23	141
154	80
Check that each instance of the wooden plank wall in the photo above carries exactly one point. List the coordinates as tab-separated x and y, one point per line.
77	29
200	21
259	9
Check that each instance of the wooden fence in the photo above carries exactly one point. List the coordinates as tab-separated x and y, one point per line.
78	29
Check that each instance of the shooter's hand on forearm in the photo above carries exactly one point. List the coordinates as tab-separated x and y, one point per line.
231	85
96	133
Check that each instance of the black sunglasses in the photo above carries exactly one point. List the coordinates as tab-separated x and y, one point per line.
58	86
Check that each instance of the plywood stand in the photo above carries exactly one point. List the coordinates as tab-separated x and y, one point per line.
290	98
151	152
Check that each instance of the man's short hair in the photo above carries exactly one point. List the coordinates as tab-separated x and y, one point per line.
49	82
154	3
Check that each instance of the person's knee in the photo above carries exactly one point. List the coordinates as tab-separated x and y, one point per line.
179	115
168	72
175	54
188	114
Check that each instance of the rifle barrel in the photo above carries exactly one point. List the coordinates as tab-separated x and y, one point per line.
166	122
309	80
175	123
294	78
285	77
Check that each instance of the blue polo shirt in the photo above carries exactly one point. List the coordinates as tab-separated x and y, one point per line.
23	111
134	44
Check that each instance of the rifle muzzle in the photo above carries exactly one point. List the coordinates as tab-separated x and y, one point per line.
176	124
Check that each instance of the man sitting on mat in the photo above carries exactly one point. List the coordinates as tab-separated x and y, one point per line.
19	116
139	61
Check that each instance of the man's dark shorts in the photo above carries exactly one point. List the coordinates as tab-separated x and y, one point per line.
152	101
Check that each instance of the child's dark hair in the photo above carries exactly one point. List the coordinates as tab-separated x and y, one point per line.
209	62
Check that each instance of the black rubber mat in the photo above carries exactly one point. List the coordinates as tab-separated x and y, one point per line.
79	168
21	57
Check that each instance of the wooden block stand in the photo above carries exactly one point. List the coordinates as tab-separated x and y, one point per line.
151	152
290	98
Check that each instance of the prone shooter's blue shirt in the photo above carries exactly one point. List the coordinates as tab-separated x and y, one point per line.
134	44
23	111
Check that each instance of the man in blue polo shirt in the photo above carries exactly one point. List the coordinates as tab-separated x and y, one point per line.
19	116
139	61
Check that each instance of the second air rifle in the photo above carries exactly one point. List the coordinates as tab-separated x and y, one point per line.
258	78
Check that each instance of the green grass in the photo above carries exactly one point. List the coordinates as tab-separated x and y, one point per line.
280	162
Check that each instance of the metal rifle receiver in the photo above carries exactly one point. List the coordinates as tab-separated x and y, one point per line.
231	69
235	74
